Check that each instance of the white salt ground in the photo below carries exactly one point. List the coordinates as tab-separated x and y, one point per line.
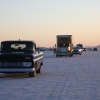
62	78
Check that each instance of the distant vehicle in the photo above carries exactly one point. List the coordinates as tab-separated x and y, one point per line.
90	49
64	46
42	48
19	57
84	49
80	45
95	49
77	50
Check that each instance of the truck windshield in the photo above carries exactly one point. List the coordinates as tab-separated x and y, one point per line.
17	47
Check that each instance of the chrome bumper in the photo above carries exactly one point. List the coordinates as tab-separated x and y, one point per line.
3	70
63	54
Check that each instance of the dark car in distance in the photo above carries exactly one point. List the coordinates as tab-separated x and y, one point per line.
84	49
95	49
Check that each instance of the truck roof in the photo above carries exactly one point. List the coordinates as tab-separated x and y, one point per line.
20	41
64	35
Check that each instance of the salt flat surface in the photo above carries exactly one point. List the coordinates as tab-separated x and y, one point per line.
63	78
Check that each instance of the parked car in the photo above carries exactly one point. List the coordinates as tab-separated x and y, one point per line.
95	49
77	50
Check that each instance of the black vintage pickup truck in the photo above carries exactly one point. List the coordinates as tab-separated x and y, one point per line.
20	56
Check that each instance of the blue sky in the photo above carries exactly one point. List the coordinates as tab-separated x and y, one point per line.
42	20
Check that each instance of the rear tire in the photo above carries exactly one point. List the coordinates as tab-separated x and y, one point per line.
70	55
56	55
32	74
39	70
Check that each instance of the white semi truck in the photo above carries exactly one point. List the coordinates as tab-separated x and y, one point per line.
64	45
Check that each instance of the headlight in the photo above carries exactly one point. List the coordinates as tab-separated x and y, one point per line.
27	64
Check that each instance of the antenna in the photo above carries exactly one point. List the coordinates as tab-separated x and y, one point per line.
19	30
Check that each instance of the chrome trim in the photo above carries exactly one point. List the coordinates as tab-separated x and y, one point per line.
38	58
